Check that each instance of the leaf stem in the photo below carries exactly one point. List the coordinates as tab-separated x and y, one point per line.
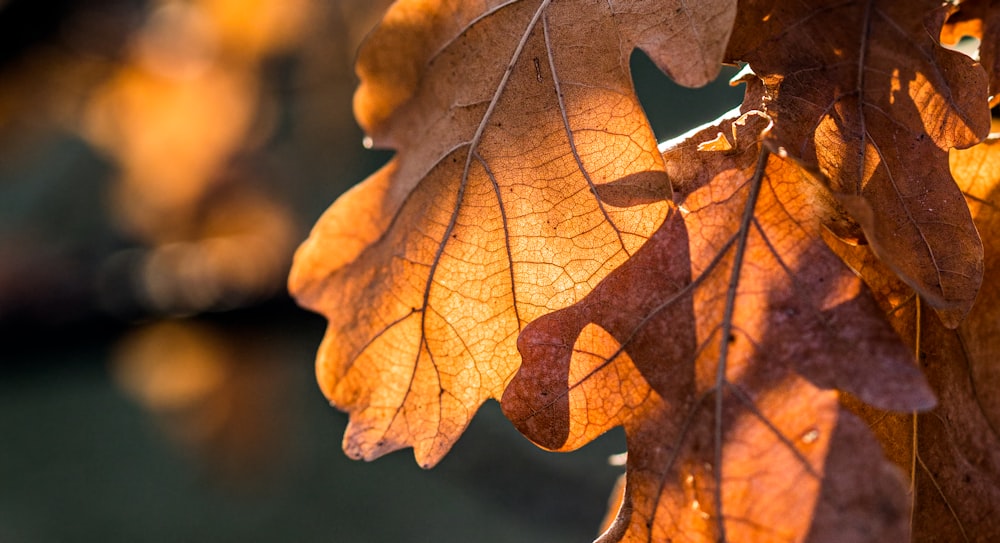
727	324
914	457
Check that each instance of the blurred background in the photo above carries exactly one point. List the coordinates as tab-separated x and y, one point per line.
159	162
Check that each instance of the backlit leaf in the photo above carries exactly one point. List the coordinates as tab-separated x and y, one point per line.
489	215
863	91
721	346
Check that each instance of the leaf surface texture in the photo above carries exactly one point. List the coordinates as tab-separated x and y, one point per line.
509	119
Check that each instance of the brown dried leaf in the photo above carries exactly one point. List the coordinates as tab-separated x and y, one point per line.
720	347
488	217
863	91
979	19
953	451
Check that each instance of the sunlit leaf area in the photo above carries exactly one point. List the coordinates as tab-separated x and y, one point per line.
160	161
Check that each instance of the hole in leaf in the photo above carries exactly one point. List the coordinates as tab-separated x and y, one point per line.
673	109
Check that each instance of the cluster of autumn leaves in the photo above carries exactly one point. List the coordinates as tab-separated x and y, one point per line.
792	312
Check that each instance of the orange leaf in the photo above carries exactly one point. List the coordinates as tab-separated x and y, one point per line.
863	91
720	346
489	216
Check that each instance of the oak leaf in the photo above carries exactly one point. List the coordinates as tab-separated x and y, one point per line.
721	346
509	117
952	452
864	92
